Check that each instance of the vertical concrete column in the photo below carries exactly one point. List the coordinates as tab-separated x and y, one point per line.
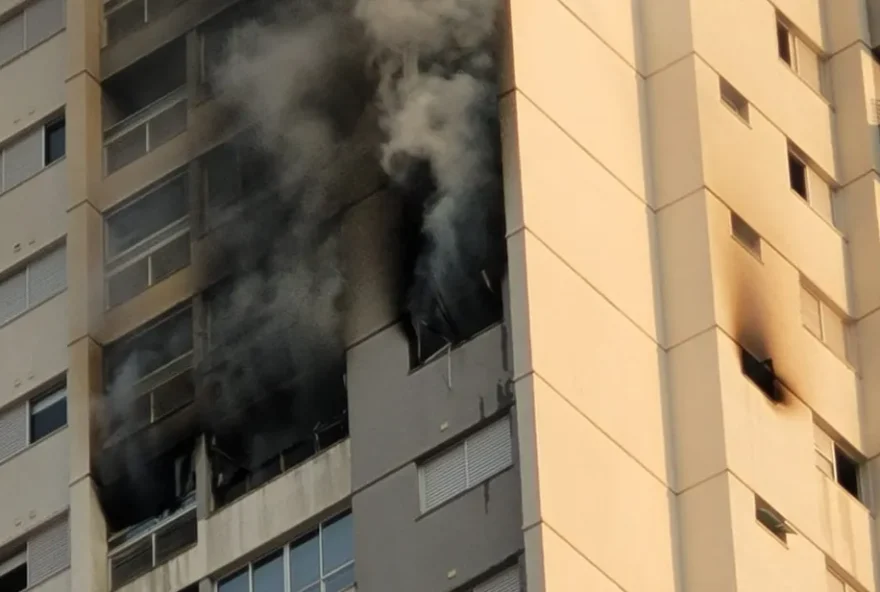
84	260
203	479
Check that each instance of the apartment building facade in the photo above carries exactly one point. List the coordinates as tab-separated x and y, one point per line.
679	394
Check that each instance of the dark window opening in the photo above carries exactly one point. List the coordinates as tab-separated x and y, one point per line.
772	520
272	437
761	374
140	500
14	574
734	99
797	174
783	40
847	471
747	236
48	414
55	144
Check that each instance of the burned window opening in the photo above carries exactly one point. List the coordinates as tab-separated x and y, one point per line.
136	500
761	373
274	434
444	309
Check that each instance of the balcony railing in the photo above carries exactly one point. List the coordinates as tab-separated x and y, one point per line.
140	548
123	17
145	130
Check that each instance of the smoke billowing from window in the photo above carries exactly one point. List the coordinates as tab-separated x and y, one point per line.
306	81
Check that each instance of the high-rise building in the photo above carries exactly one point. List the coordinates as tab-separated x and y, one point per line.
668	386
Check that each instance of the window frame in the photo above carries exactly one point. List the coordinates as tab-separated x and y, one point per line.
825	308
285	551
42	126
836	447
58	388
148	246
25	268
734	100
462	444
22	10
755	251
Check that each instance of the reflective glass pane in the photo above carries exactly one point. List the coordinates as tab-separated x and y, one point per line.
305	564
269	574
338	543
340	580
237	583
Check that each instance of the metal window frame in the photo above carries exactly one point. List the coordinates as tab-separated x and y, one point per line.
285	554
189	507
25	268
58	392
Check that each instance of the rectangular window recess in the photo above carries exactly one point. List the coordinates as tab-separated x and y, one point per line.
761	373
797	174
477	459
734	99
783	40
836	462
747	236
773	520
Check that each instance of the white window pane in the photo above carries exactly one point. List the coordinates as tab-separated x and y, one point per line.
11	38
443	478
808	65
305	564
44	19
834	331
506	581
820	195
337	543
13	431
47	276
48	553
823	442
489	452
23	158
13	296
825	465
810	315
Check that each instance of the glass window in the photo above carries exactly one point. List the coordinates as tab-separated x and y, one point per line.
147	215
269	574
321	561
305	564
338	543
55	141
236	583
48	413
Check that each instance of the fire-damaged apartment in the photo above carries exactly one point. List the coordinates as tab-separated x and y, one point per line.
439	295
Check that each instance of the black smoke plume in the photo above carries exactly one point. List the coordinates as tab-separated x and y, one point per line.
306	78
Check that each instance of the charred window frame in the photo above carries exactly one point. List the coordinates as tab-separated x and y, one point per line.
147	238
836	461
232	481
762	375
152	366
233	175
322	560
